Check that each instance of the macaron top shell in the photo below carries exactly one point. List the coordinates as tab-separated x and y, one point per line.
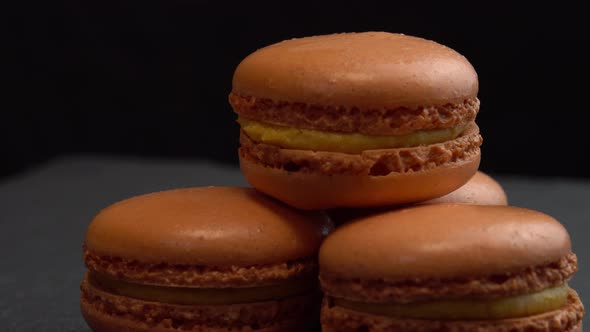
209	226
480	189
443	241
365	70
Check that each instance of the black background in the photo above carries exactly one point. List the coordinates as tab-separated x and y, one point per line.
151	78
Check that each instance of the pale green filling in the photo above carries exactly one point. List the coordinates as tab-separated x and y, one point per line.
203	296
508	307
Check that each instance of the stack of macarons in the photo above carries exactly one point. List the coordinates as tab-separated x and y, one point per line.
374	133
379	129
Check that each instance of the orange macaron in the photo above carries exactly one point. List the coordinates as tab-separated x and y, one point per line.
202	259
356	120
481	189
450	267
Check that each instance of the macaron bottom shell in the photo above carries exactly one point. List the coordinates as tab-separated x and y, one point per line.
101	322
566	319
104	311
310	191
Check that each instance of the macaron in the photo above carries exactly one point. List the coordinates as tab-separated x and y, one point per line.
481	189
356	120
202	259
450	267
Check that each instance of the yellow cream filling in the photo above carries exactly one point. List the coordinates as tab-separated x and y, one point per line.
203	296
508	307
309	139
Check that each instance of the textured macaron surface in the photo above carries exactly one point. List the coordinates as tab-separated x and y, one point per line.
371	83
113	312
204	237
365	70
210	226
566	319
385	120
481	189
446	250
444	241
380	162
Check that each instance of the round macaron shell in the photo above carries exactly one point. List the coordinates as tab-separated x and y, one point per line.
443	241
209	226
310	191
481	189
364	70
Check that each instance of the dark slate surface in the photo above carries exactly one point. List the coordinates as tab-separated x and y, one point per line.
44	215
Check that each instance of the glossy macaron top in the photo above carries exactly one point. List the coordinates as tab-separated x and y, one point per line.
481	189
207	226
443	241
365	70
